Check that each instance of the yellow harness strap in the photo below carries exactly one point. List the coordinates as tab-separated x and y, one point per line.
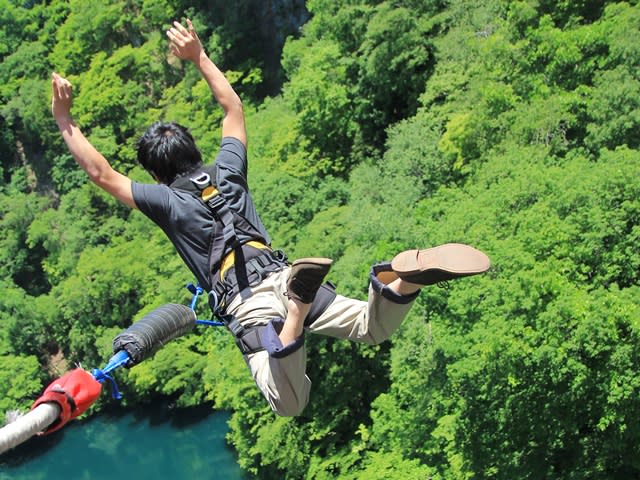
230	259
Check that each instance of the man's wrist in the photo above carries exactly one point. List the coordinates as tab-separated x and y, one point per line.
63	120
201	60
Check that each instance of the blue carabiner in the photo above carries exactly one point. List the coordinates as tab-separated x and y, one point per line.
197	290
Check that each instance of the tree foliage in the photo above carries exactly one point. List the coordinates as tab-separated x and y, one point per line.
375	126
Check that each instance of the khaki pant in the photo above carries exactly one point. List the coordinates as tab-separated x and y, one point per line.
283	381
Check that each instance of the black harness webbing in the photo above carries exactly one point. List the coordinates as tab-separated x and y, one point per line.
236	280
245	272
248	340
212	198
250	266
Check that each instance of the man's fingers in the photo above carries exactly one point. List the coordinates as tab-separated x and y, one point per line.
65	88
192	30
55	80
56	88
180	31
182	41
180	27
176	38
60	80
190	25
61	87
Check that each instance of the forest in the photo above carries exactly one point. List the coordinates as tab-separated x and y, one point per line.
374	126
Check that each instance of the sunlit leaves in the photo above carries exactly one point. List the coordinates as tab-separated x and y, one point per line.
512	126
20	382
319	93
394	62
91	27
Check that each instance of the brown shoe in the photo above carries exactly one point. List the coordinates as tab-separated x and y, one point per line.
307	275
439	264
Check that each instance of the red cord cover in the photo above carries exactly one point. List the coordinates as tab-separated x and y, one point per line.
75	392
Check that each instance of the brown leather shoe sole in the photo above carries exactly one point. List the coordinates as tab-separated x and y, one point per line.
441	263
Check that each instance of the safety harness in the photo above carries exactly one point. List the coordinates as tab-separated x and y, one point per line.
234	264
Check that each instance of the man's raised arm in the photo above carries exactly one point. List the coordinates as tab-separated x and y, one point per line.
186	45
85	154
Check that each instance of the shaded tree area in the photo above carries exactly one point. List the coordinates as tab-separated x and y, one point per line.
375	127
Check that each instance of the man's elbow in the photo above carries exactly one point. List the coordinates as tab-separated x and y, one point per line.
234	106
117	185
103	177
233	122
98	176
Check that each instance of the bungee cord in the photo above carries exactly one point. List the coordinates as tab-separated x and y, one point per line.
72	394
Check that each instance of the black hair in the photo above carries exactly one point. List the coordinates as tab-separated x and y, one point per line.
167	150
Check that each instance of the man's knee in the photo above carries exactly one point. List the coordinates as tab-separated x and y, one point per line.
289	409
376	336
288	405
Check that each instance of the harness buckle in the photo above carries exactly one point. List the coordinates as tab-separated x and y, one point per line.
215	202
236	328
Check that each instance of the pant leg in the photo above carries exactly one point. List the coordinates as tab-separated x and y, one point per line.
282	380
372	321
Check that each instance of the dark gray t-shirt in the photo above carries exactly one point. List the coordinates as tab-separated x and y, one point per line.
187	221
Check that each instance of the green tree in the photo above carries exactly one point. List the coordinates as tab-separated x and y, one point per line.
17	261
394	61
20	382
92	27
511	126
319	93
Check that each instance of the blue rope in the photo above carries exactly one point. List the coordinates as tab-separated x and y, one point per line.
118	360
210	323
121	358
196	290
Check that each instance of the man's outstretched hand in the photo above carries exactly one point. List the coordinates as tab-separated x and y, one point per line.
185	43
62	96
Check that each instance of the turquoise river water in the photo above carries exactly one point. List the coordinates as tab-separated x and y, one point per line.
156	444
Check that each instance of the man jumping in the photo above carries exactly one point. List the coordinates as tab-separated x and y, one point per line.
208	214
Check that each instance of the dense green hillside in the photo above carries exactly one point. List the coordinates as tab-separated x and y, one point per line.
377	126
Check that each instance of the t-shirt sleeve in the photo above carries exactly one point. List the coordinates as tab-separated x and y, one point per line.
152	200
232	156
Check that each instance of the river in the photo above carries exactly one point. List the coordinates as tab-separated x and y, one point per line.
155	444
